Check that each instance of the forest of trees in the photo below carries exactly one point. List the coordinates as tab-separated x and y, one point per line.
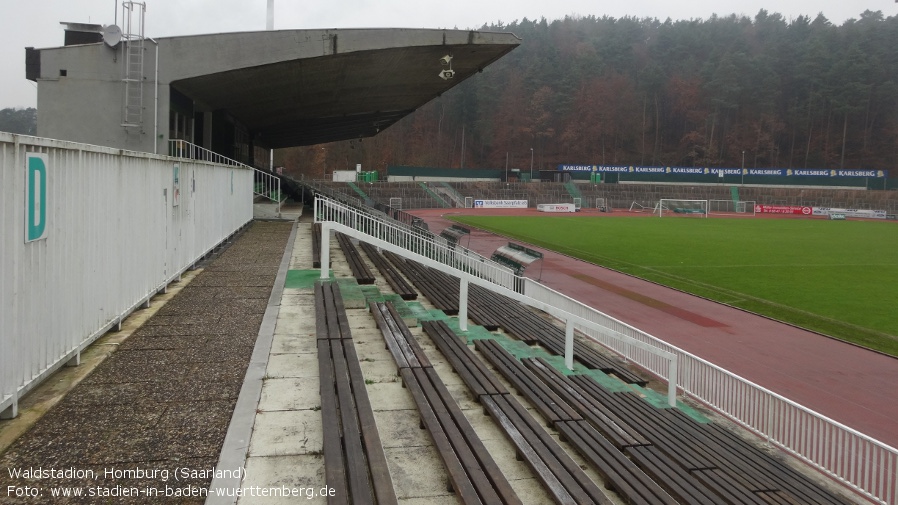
800	93
21	121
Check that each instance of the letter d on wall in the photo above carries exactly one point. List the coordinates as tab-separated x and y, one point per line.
35	196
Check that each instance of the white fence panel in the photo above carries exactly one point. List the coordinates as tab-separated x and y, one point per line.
118	228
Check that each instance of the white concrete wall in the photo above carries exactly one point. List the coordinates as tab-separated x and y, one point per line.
112	239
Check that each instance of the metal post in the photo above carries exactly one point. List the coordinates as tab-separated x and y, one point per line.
463	305
569	344
269	24
325	250
672	382
743	168
506	167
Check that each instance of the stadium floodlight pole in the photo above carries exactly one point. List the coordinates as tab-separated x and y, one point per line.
506	167
743	168
531	164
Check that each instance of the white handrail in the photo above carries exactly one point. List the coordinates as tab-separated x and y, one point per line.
266	185
858	461
435	251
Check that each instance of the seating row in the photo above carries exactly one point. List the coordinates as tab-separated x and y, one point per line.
357	265
473	474
353	453
561	476
396	281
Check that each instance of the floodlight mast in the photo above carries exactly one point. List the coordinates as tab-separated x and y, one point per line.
269	25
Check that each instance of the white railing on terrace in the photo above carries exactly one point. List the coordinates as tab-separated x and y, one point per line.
91	233
412	239
265	185
863	464
468	266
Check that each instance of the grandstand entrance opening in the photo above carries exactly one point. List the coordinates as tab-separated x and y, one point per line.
396	203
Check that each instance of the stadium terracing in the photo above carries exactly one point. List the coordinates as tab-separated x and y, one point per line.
342	350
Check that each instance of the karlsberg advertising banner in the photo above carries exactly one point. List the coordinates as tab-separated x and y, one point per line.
782	172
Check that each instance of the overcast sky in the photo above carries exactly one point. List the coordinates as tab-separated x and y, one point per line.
36	22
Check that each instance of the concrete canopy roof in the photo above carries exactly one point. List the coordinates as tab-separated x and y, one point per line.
303	87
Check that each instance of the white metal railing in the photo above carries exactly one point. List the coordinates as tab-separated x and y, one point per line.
110	229
265	185
468	266
863	464
412	239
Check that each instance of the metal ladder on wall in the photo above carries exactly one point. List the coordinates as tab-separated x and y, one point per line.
133	35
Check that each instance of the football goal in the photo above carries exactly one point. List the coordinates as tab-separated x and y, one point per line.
675	207
641	207
734	208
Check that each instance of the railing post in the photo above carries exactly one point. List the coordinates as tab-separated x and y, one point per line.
325	250
672	381
463	305
569	344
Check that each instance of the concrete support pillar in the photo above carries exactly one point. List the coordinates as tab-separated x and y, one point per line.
325	250
569	344
13	410
75	360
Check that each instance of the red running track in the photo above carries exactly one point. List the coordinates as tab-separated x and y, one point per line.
849	384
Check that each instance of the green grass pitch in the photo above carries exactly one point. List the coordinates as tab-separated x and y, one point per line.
836	277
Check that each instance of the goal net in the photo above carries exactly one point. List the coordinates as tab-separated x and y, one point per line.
736	208
674	207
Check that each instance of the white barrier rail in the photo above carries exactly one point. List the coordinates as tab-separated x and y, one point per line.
861	463
418	241
265	185
468	266
92	233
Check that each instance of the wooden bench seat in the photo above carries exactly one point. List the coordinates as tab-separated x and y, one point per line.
766	474
619	473
399	339
473	474
396	281
353	452
551	406
357	264
622	422
616	429
561	476
671	476
528	327
565	481
439	294
479	379
680	438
